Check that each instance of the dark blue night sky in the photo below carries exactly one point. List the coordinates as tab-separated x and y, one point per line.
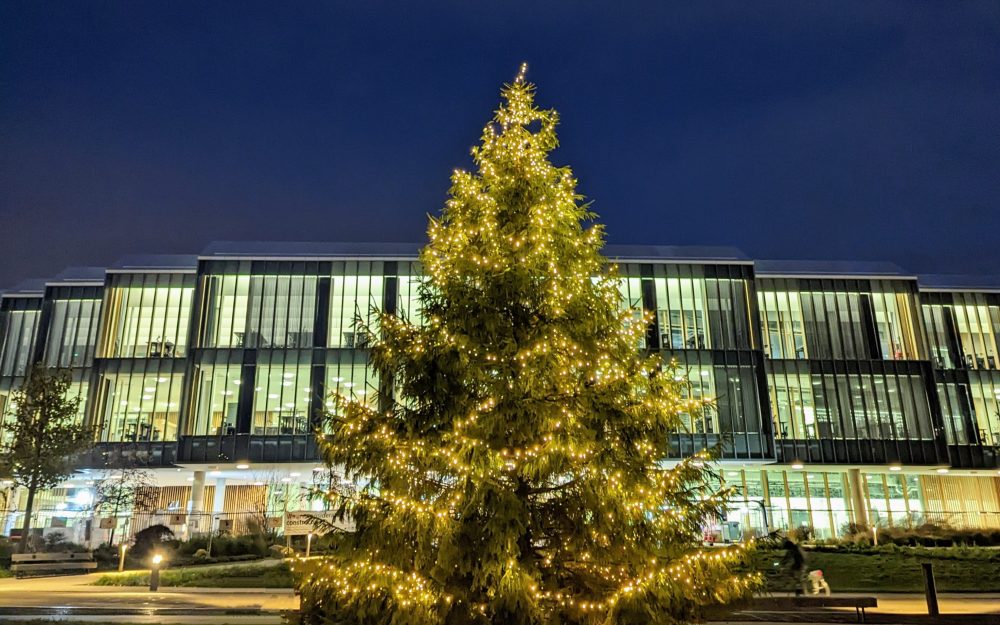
842	130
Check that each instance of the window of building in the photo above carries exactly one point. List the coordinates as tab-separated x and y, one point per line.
822	520
140	403
348	375
783	329
963	330
794	406
984	389
408	293
733	389
942	334
837	501
869	406
839	325
957	413
630	292
700	384
283	392
72	333
147	316
216	395
894	314
260	311
728	314
20	329
356	291
226	301
681	313
976	337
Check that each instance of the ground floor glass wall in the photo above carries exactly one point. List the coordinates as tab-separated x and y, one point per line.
784	499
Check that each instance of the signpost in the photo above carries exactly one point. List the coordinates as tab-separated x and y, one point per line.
303	523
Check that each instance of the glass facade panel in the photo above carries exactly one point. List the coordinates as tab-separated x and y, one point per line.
138	403
963	330
878	505
836	483
224	318
630	290
732	388
260	311
894	315
819	505
699	307
283	393
147	316
783	329
348	376
942	335
818	405
681	313
408	293
215	395
798	323
282	311
957	413
72	334
700	385
357	289
20	329
975	335
985	392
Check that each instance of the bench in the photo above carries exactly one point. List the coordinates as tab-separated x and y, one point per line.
51	563
804	603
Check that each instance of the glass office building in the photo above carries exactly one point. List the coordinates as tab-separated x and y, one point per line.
844	392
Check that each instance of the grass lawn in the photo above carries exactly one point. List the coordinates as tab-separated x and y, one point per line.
890	569
239	576
885	569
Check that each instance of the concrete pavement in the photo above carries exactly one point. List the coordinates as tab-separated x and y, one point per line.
78	591
75	597
913	603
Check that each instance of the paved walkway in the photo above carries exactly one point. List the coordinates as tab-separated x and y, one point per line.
949	603
77	591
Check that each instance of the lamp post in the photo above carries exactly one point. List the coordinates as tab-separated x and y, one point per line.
154	573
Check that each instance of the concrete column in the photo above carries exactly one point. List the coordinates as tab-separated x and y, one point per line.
856	487
196	506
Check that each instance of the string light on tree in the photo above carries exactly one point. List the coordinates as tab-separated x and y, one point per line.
514	470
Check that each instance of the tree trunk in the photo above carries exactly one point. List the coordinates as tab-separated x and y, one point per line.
27	517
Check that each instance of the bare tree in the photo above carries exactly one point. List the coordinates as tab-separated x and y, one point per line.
125	488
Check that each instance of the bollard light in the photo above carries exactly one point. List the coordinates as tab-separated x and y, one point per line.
309	539
154	573
122	548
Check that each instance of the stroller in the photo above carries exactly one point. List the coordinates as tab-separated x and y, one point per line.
816	583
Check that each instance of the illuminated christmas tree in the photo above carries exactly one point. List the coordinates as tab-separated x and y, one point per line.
515	471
